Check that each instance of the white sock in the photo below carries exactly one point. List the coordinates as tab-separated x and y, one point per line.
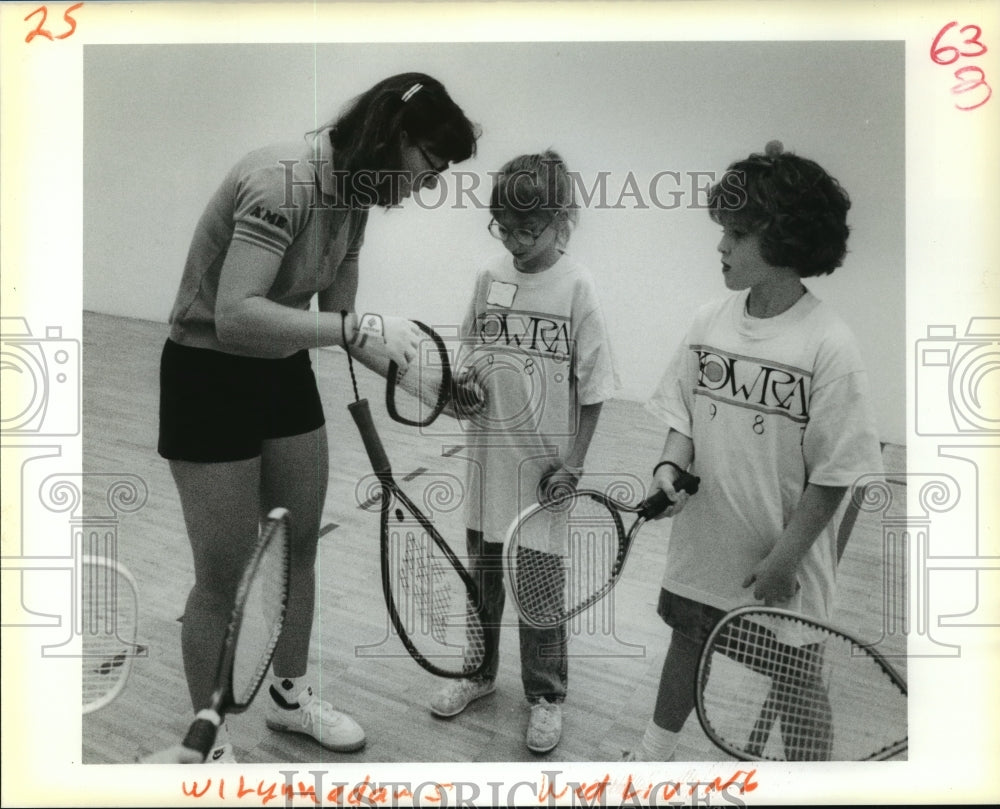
657	744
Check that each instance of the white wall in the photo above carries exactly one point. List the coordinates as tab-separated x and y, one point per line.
162	124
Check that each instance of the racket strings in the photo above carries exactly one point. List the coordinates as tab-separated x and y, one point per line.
810	696
430	591
109	610
565	559
261	617
439	616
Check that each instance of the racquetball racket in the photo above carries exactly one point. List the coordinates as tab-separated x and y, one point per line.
567	553
432	600
767	672
109	618
428	387
252	635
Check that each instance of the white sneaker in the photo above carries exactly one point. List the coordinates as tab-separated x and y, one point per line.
317	718
544	726
221	755
456	696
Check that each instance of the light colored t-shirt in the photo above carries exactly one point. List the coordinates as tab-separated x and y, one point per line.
539	344
282	199
771	405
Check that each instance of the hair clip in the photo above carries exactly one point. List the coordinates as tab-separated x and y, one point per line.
416	88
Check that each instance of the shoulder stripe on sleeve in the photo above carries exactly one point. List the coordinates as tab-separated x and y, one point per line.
259	239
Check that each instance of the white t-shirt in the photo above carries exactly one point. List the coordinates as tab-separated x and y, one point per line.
539	344
771	404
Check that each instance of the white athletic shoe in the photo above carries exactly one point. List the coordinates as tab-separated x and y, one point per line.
221	755
544	726
317	718
456	696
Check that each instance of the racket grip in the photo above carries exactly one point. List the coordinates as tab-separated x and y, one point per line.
655	504
659	502
362	416
686	482
201	735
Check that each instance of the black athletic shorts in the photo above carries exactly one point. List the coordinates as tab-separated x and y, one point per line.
692	619
218	407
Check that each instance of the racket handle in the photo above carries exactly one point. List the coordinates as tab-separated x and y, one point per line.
654	505
201	735
657	503
362	416
686	482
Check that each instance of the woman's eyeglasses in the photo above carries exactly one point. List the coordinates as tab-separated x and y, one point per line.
435	167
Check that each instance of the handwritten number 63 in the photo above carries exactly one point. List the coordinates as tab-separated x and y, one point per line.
938	51
970	76
39	30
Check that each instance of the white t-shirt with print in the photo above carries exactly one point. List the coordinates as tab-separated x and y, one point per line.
539	344
771	405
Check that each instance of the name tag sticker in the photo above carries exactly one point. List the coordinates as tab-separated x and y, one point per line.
501	294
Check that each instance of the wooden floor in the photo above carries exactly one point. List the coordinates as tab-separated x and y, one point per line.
616	654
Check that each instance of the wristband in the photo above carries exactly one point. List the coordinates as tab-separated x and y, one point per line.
573	470
369	325
343	330
667	463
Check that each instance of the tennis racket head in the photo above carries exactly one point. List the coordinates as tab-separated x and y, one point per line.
566	553
252	634
428	383
773	685
432	600
419	396
109	619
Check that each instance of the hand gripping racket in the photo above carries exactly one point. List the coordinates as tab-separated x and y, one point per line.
252	635
833	697
428	387
567	553
109	624
432	600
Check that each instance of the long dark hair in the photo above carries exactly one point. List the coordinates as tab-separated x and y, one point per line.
366	135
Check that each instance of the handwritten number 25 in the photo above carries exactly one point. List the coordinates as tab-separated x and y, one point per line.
39	30
954	54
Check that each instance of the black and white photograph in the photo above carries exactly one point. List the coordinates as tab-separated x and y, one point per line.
643	428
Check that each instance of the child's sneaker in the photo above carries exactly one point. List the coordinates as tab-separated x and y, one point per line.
221	755
456	696
544	726
314	717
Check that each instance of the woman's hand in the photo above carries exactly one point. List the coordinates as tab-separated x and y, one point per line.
402	340
398	337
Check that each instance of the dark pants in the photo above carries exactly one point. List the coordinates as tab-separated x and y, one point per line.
543	651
